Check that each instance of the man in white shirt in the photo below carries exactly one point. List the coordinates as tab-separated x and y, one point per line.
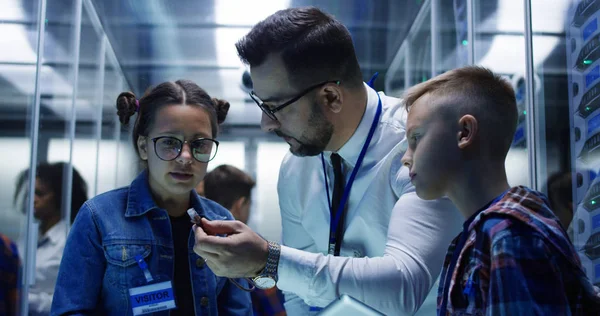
352	223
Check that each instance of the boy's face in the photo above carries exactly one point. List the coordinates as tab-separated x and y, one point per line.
433	155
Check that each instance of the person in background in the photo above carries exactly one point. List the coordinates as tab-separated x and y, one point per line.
47	209
10	269
232	188
351	221
130	249
512	257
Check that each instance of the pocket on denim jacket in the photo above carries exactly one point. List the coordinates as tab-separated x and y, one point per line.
122	267
123	255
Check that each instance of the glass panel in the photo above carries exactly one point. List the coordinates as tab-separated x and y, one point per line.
110	128
231	153
452	34
52	196
18	53
411	64
419	51
89	103
499	28
396	80
565	40
267	217
128	165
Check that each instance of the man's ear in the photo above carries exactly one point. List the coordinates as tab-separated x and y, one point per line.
332	98
468	126
142	146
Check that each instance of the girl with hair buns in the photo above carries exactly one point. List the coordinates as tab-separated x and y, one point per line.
130	250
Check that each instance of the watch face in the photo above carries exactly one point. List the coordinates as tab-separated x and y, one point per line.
264	282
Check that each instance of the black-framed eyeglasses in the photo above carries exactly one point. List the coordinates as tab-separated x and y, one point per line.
168	148
271	112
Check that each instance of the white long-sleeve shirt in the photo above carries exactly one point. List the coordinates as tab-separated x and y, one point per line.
394	243
48	257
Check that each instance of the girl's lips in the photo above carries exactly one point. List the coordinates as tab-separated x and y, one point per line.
181	176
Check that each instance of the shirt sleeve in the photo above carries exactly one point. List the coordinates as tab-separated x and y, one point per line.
295	306
10	267
40	294
40	302
79	281
397	282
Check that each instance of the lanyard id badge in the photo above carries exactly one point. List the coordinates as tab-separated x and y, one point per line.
337	216
152	297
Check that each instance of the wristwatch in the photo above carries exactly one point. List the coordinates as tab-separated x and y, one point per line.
267	278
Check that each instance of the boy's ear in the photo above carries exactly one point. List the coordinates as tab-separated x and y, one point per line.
236	207
468	127
238	204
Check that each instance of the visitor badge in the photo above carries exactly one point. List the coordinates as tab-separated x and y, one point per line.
152	298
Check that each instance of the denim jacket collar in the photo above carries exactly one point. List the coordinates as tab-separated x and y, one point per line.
140	201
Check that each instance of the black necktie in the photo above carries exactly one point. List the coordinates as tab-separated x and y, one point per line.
338	191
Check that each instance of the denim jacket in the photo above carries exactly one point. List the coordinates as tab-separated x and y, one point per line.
98	265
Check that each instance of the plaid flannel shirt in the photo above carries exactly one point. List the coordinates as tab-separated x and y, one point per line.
9	277
517	260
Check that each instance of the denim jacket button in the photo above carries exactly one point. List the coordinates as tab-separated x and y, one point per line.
204	301
199	263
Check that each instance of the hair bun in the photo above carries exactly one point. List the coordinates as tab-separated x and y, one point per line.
126	106
221	107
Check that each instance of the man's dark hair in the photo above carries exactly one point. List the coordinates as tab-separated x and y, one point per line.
225	184
314	46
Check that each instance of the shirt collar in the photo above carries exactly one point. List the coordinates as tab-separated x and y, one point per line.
351	149
56	232
140	201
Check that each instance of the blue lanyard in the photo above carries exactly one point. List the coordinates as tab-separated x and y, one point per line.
144	266
459	246
334	235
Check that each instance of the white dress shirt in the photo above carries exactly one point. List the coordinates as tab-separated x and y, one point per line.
48	256
394	243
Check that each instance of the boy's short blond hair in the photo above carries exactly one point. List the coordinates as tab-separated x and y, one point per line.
477	91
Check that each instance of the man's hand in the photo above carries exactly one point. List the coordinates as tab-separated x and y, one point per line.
242	253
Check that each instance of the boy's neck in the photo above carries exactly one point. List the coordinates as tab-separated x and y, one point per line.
479	186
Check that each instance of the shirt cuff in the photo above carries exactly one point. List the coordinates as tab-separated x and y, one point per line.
295	270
